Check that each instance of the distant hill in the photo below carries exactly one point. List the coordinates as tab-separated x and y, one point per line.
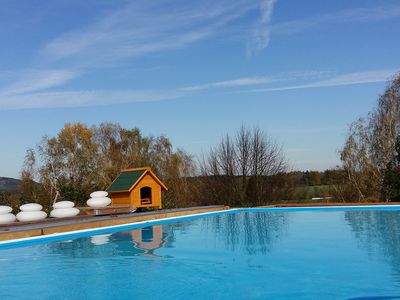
9	184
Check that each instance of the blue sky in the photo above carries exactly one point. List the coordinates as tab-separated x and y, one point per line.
195	70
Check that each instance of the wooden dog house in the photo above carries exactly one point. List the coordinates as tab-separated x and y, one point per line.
137	187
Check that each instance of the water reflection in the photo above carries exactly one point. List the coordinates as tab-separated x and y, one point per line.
252	233
143	242
378	233
100	239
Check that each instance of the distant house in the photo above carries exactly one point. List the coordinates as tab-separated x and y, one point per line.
138	187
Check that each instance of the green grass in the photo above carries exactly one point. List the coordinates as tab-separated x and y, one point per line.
309	192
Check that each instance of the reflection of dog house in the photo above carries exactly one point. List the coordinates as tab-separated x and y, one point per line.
148	238
137	187
142	241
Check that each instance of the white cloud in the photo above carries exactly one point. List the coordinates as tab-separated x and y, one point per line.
261	35
37	80
82	98
27	96
137	29
372	14
358	78
340	80
146	27
257	80
142	28
230	83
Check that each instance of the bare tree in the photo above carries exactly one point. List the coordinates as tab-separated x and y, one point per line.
243	145
227	156
237	170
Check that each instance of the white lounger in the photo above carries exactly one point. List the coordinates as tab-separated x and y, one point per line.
31	212
5	215
64	209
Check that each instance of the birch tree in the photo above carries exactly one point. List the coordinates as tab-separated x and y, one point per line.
370	145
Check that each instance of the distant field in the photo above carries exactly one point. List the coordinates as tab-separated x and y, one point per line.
309	192
304	194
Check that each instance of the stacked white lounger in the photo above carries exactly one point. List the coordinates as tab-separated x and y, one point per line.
31	212
64	209
5	215
99	199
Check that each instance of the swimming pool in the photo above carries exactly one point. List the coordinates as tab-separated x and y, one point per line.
332	253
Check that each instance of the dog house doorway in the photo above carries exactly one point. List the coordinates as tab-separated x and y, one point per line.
145	195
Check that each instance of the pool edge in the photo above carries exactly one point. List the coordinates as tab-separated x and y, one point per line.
9	243
41	229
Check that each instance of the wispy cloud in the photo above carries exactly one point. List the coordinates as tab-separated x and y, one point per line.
82	99
340	80
355	15
28	95
257	80
38	80
147	27
261	34
135	29
144	28
358	78
230	83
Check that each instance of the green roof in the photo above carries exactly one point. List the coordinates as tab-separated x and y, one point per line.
125	180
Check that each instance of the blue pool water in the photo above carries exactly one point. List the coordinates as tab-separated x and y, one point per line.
256	254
